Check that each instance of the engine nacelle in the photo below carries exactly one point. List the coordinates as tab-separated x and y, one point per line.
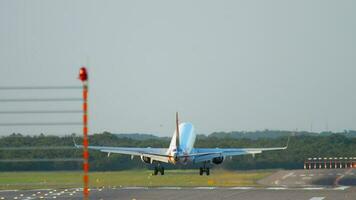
218	160
146	159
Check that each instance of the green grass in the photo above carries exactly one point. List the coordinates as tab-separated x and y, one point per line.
181	178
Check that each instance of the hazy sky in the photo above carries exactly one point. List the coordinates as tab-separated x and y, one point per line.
224	65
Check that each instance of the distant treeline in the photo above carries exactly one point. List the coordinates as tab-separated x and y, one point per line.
276	134
302	146
254	135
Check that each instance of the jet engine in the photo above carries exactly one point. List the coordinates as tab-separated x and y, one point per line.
218	160
146	159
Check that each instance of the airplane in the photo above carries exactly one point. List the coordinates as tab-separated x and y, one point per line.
181	151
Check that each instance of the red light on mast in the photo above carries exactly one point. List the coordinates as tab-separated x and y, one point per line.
83	75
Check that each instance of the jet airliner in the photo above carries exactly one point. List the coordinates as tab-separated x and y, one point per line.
181	151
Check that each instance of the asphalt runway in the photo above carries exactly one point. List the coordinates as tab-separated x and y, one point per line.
323	184
307	178
203	193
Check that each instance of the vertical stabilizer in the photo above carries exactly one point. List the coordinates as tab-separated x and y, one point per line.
177	131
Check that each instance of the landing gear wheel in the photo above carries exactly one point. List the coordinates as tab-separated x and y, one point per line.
162	170
155	171
205	169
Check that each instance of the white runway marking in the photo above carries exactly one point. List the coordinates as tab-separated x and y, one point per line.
169	188
341	188
276	188
134	188
241	188
287	175
205	188
313	188
317	198
9	190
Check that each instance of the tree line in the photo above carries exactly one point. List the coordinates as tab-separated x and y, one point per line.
301	147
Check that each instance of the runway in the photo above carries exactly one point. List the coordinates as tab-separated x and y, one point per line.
306	178
283	185
175	193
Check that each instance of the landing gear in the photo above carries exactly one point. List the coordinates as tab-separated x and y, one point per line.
205	169
159	169
155	171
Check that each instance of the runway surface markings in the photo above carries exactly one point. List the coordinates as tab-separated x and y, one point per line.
276	188
134	188
9	190
317	198
287	175
205	188
337	180
169	188
241	188
70	193
342	188
314	188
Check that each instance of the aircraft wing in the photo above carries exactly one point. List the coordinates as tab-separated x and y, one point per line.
158	154
206	154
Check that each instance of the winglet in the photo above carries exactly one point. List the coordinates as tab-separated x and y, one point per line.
75	144
177	131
